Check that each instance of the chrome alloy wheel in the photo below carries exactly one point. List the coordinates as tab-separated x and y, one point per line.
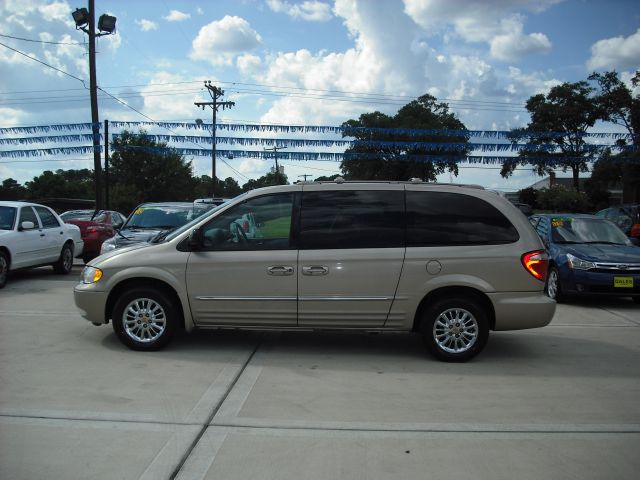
455	330
552	283
144	320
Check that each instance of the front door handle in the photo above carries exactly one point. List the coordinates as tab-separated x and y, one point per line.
280	270
315	270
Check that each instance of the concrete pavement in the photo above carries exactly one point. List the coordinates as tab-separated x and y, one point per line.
557	402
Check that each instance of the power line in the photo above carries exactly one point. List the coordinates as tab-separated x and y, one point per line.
45	64
42	41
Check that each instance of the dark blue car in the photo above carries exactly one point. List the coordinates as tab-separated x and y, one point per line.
588	255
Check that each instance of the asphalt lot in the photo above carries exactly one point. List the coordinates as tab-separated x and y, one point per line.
558	402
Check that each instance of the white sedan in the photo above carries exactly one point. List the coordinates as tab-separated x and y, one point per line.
33	235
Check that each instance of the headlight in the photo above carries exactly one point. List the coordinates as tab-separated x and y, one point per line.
107	246
578	263
91	275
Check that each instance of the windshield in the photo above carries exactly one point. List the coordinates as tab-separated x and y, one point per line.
586	230
161	216
189	225
7	217
86	215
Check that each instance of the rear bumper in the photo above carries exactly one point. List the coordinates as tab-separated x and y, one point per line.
520	310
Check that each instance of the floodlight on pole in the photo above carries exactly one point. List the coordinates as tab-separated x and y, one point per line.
85	20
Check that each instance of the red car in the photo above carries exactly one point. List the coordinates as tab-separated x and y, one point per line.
95	228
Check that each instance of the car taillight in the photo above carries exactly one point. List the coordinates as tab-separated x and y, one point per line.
536	263
97	228
635	230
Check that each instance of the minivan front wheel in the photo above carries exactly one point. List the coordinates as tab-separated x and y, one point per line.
144	319
455	329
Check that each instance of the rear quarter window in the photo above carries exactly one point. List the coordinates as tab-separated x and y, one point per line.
442	218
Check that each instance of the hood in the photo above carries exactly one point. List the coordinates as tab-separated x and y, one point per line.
136	235
118	251
598	252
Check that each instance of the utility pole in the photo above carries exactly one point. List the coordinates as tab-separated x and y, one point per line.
215	93
275	149
305	177
106	164
93	88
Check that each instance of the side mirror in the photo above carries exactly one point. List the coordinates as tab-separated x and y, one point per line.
27	226
195	239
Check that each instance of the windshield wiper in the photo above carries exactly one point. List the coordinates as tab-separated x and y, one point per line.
162	235
566	242
604	242
122	235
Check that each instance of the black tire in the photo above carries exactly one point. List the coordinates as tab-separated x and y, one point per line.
553	288
455	329
145	319
4	269
65	263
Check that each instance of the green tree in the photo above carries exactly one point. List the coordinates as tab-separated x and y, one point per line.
266	181
12	190
324	178
620	107
388	155
62	184
555	136
143	170
227	188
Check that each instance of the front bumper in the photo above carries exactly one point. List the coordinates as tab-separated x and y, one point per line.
91	304
520	310
586	282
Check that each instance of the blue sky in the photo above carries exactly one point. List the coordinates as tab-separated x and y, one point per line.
292	54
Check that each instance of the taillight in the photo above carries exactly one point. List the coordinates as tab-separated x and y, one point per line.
97	228
536	263
635	230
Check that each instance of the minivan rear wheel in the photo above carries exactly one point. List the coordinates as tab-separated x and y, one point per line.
455	329
144	319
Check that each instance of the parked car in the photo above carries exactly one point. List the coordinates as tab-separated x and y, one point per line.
626	217
448	261
96	226
33	235
149	220
524	208
588	256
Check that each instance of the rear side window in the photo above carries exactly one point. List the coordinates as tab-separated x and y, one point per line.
47	218
352	219
440	218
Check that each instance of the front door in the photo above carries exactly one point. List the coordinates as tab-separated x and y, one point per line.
351	254
30	248
246	273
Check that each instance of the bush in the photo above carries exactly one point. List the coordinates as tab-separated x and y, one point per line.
559	198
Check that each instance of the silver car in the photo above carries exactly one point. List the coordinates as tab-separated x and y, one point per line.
449	262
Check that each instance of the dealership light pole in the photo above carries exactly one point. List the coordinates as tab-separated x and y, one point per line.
85	21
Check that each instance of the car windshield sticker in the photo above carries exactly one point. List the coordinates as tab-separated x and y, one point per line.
559	222
138	211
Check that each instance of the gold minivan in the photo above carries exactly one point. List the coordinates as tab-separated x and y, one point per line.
450	262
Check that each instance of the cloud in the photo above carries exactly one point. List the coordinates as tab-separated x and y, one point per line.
177	16
147	25
616	53
248	64
513	44
476	21
221	41
252	166
310	10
